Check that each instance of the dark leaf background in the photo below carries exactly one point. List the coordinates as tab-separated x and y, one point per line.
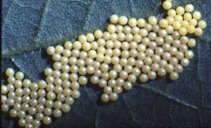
29	26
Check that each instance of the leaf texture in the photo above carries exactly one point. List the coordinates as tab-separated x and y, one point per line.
30	26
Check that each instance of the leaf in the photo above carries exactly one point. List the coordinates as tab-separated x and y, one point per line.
30	26
204	71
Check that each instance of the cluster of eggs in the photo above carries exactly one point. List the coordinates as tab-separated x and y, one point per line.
184	20
34	103
129	50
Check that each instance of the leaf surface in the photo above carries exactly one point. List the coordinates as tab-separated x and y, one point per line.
30	26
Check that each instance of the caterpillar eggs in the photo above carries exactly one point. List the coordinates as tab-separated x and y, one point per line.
129	50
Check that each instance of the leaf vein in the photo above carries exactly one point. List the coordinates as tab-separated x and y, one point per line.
168	96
